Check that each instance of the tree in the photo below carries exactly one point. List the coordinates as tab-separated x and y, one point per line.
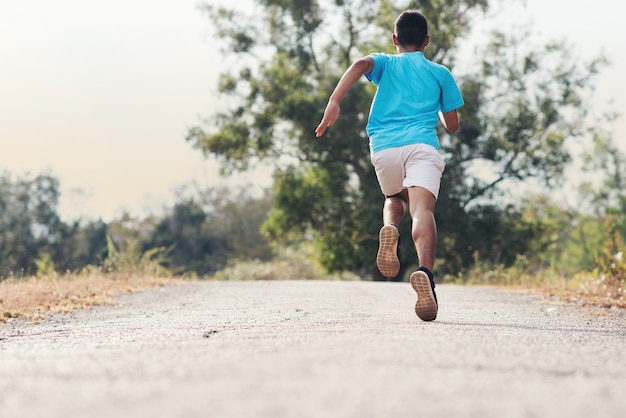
524	108
608	192
29	222
191	246
204	233
238	216
523	103
80	244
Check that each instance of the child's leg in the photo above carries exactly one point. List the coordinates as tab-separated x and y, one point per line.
387	259
424	228
395	208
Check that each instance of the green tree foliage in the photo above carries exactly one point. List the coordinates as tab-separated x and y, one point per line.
205	233
199	235
237	217
607	191
82	244
33	238
186	235
29	223
524	109
524	102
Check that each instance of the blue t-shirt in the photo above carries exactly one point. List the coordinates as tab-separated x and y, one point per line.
411	91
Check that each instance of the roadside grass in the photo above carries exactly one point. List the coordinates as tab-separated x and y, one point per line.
36	297
604	289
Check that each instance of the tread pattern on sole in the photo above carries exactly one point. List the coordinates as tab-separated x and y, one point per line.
426	306
387	257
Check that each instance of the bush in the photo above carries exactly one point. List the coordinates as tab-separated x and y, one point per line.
132	261
291	264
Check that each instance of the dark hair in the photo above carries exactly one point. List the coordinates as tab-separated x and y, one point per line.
411	28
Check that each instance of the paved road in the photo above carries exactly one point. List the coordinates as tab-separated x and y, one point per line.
316	349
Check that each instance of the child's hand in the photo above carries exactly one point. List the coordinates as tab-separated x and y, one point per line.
330	116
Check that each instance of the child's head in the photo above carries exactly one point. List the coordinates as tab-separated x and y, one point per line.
411	28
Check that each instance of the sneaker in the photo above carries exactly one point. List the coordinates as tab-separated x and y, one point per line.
426	305
387	258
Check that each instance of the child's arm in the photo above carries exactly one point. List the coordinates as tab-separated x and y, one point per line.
450	120
353	73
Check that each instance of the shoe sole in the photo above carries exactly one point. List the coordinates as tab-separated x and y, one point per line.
426	306
387	257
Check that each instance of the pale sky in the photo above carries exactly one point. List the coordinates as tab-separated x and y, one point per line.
101	93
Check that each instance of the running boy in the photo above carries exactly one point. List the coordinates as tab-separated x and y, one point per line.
412	95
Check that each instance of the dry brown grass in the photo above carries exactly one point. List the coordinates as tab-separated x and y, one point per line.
596	289
587	294
36	297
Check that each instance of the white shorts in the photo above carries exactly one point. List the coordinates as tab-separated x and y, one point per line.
407	166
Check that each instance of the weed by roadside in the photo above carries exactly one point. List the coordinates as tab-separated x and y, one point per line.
603	287
36	297
49	292
44	294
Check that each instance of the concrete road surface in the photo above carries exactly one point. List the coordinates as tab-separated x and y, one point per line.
316	349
